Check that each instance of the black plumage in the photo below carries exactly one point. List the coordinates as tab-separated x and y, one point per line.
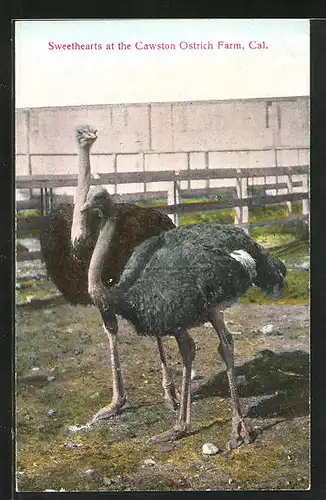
178	280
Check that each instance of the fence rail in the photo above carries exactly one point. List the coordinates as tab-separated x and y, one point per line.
70	180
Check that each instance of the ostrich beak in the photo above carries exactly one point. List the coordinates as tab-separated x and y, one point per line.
86	207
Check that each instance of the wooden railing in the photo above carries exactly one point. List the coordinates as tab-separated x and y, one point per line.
244	193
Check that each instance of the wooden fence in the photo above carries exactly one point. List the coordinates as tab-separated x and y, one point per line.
244	193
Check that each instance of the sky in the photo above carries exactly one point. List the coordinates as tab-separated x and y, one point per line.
59	77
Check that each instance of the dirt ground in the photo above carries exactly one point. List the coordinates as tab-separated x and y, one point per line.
63	378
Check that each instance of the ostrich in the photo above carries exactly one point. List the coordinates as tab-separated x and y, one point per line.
175	281
68	238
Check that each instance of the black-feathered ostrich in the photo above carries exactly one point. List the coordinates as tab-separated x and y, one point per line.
68	238
178	280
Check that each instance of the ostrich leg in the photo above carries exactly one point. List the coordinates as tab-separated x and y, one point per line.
171	393
119	396
240	429
228	331
182	426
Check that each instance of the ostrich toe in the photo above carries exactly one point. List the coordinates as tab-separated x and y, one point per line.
241	433
109	411
177	432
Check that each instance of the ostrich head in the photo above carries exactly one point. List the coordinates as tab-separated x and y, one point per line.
86	135
100	201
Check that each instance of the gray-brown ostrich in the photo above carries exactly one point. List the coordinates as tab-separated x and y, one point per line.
68	238
175	281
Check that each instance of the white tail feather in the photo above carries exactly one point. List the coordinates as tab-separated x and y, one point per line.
246	260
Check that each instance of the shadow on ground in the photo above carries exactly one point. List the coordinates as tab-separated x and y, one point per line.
282	377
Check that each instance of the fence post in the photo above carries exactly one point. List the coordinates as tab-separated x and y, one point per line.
142	163
290	190
174	198
188	169
207	170
42	201
176	195
51	198
238	210
115	171
245	209
305	186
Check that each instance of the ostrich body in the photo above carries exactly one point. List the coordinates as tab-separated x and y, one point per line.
68	238
175	281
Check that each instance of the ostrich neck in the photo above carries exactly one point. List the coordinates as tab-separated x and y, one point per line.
78	229
101	250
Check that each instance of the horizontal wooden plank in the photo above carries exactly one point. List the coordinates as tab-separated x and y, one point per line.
28	256
43	181
140	196
280	185
290	220
35	203
252	201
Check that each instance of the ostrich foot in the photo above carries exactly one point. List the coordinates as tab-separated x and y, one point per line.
172	396
241	433
109	411
177	432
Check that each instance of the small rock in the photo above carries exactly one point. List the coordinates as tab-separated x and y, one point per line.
50	378
193	374
69	330
78	428
51	413
210	449
73	445
304	266
107	481
89	472
267	329
149	461
231	481
48	311
35	369
207	324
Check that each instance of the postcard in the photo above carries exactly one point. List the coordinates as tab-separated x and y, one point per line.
162	255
